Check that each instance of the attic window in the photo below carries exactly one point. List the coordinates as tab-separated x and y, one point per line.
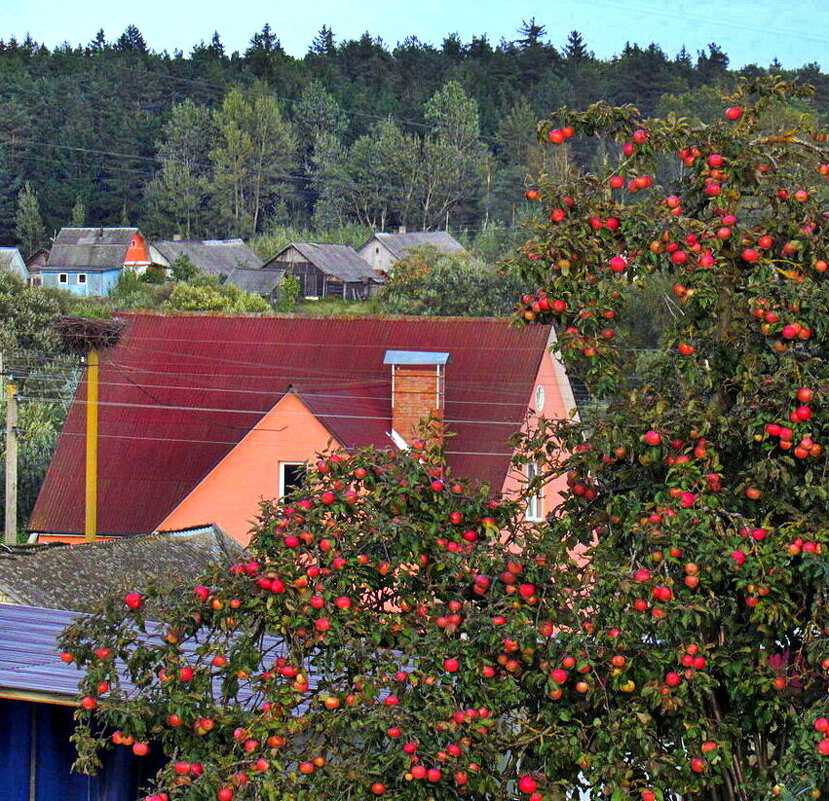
534	511
291	476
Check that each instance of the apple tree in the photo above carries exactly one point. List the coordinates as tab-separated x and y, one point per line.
698	472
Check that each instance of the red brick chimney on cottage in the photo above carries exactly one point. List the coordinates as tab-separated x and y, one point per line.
418	387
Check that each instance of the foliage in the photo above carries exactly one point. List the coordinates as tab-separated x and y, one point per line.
26	314
289	291
29	228
697	490
131	130
39	422
437	284
278	237
225	298
182	269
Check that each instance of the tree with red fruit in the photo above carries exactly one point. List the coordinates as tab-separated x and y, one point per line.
698	599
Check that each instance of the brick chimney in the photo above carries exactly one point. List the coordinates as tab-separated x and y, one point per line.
418	384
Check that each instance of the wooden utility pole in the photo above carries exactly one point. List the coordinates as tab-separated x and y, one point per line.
11	465
91	512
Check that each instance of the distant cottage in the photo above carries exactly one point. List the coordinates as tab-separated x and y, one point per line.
327	271
383	250
210	256
12	262
89	261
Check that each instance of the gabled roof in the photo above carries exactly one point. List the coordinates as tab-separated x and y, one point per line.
12	260
340	261
79	576
212	256
179	392
90	249
400	245
259	282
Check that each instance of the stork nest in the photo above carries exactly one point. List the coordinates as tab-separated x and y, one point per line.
80	335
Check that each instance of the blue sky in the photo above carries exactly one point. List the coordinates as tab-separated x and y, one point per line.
795	32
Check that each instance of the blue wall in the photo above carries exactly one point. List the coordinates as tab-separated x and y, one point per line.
97	283
38	735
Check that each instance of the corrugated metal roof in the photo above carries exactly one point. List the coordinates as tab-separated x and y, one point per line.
31	662
340	261
79	576
178	392
90	249
400	245
213	256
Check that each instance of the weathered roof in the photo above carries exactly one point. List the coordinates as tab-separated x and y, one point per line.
340	261
38	259
260	282
399	245
179	392
90	249
212	256
79	576
12	260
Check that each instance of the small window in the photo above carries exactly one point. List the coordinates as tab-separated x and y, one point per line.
63	278
81	278
376	250
535	511
291	476
539	398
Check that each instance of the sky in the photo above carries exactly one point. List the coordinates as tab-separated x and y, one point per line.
796	32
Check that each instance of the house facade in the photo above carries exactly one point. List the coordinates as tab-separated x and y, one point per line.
384	249
325	270
220	413
89	261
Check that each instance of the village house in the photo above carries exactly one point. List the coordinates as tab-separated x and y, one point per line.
203	416
209	256
327	270
11	261
384	249
89	261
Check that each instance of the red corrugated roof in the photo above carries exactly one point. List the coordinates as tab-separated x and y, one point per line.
179	392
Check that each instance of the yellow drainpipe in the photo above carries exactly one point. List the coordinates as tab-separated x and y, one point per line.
91	517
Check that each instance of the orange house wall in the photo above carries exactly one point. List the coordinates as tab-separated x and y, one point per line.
558	403
229	495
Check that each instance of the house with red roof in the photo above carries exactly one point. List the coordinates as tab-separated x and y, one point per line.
202	417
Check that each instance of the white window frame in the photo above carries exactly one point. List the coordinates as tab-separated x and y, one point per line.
282	466
535	503
82	278
63	278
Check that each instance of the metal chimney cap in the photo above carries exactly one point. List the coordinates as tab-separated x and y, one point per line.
415	357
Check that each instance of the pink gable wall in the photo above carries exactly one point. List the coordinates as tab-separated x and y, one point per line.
229	495
558	404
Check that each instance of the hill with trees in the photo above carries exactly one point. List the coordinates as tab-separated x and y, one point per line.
215	143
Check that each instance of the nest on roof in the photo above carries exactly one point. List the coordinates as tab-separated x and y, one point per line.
80	335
